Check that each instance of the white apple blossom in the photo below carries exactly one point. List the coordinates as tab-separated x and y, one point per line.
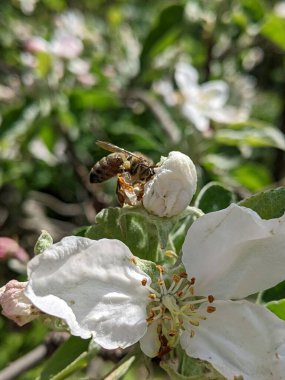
200	103
171	189
97	288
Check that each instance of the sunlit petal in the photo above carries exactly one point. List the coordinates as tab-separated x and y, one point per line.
240	339
233	253
94	286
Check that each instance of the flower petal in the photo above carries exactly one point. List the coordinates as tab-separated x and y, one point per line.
150	343
214	94
192	113
185	75
240	339
233	253
229	115
94	286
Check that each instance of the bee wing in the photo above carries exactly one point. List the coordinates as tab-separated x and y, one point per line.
114	148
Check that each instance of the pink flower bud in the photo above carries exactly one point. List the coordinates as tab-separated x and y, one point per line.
15	305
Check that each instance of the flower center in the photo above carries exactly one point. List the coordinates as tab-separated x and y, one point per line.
176	308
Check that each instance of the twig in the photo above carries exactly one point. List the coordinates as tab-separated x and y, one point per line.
31	359
38	220
24	363
158	111
61	208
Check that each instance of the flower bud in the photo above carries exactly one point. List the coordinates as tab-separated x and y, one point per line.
16	306
44	241
171	189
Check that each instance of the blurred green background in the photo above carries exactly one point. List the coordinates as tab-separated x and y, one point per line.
75	72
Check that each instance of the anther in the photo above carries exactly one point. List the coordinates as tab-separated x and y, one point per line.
152	296
211	309
183	275
144	282
211	298
160	268
175	278
172	333
193	280
133	260
170	253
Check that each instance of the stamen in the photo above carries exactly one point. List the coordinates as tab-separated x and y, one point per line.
144	282
211	298
176	287
152	296
160	268
211	309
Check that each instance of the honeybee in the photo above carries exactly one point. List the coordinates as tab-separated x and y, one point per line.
133	171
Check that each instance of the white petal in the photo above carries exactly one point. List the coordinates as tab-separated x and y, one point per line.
213	94
233	253
94	286
229	115
173	186
200	121
240	338
185	75
150	343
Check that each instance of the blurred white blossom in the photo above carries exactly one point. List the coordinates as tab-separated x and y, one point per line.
201	103
28	6
279	9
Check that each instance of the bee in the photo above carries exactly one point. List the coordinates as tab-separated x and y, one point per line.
132	169
118	162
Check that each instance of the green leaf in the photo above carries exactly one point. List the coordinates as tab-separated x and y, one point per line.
99	99
253	176
254	8
164	33
133	227
268	204
275	293
274	30
146	235
277	307
214	197
70	357
44	64
250	135
120	371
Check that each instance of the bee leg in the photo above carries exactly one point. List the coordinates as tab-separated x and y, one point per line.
119	192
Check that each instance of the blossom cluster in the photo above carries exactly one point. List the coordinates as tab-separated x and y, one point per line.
101	290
